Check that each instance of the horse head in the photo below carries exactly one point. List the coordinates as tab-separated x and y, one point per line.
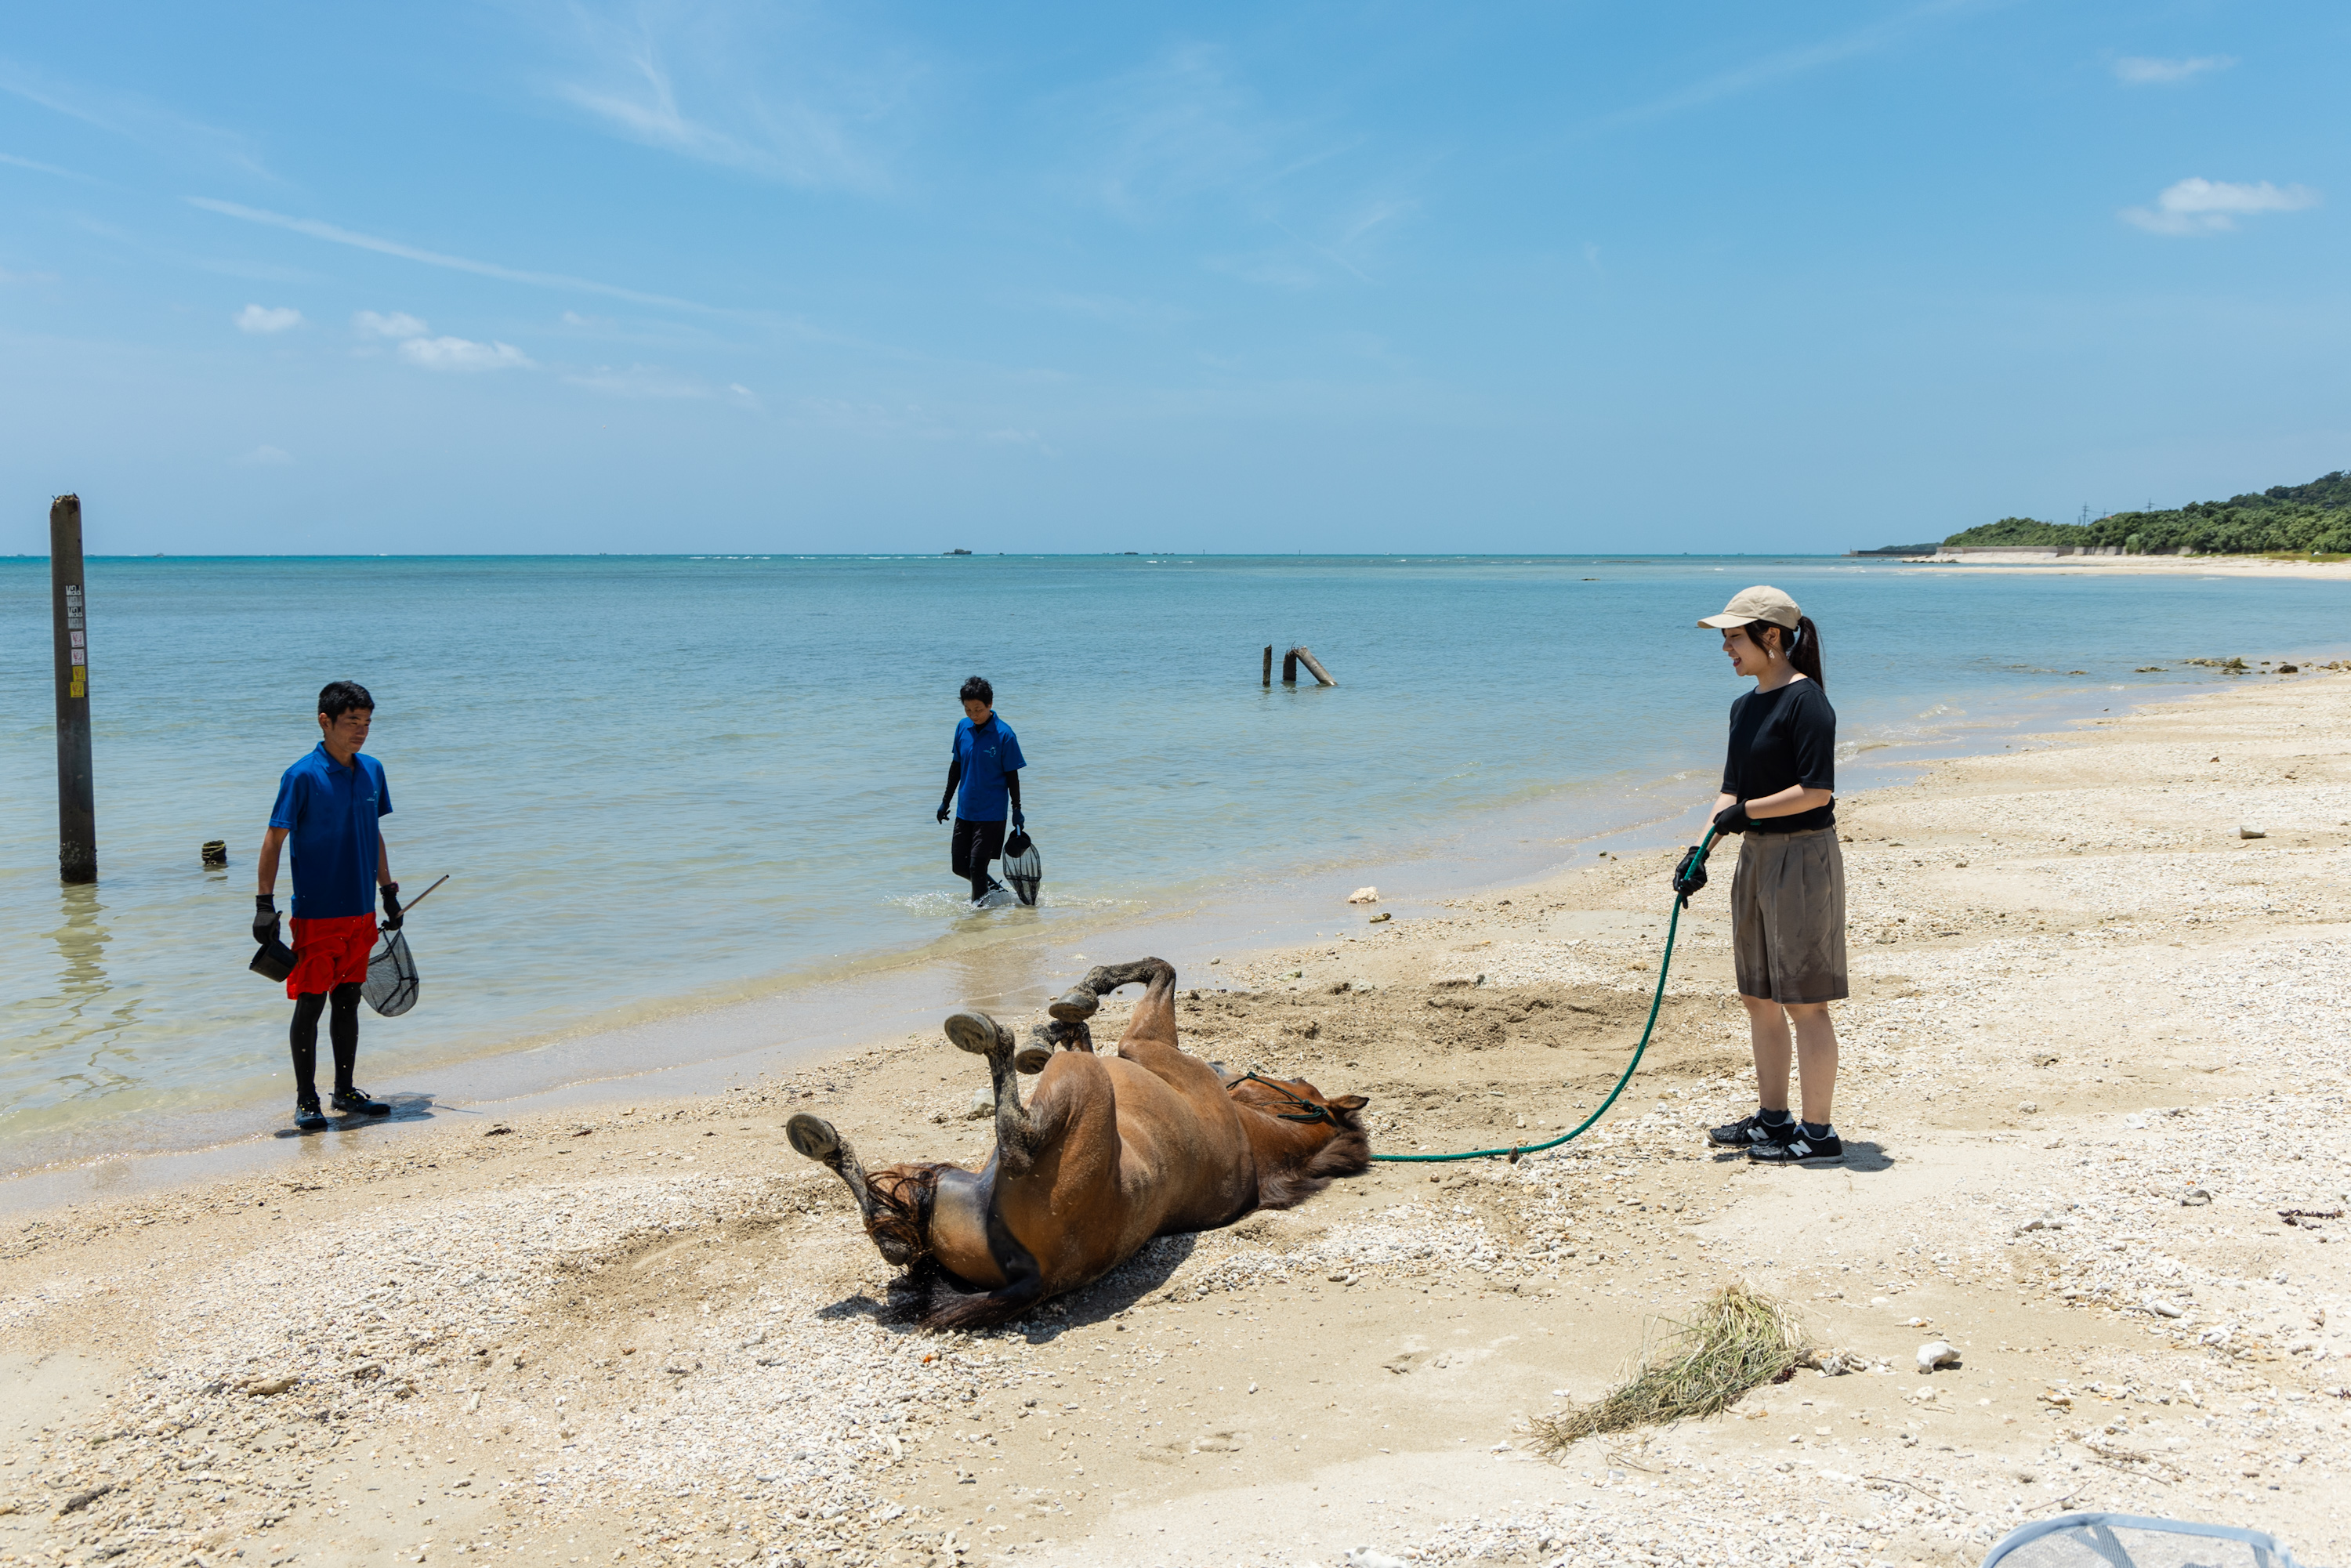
1301	1138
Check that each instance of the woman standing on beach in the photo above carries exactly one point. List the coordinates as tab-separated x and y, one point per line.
1787	898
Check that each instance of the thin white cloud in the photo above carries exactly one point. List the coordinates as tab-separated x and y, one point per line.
398	324
463	354
1181	126
266	457
642	381
333	235
753	90
1274	268
2143	70
266	320
1783	64
40	168
132	116
8	277
2201	206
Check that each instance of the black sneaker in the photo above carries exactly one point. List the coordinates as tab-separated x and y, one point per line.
1792	1145
354	1102
1747	1133
308	1117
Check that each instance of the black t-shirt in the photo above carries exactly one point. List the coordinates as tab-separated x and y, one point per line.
1780	739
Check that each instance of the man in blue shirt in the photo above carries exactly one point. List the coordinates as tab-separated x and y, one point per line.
987	766
328	803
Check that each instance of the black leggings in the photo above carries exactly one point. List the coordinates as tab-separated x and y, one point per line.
976	844
342	1034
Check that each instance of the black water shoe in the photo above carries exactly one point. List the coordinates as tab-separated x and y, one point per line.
1748	1133
1793	1146
355	1102
308	1117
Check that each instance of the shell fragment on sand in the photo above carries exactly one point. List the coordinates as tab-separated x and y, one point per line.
1364	896
1937	1352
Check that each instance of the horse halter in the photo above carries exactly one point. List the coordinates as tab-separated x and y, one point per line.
1308	1111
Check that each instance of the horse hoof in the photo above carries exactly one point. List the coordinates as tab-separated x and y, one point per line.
1032	1057
974	1033
1076	1005
813	1136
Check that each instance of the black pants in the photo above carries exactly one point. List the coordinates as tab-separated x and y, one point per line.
976	844
343	1033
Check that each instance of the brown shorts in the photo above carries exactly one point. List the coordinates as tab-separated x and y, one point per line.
1786	917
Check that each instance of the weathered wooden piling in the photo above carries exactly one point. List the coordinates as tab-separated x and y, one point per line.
1267	679
76	807
1301	655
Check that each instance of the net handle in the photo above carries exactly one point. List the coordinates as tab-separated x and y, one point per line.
406	909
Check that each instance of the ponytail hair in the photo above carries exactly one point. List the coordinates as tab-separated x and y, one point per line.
1801	647
1804	652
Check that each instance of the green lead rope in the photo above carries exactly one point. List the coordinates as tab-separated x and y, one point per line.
1665	963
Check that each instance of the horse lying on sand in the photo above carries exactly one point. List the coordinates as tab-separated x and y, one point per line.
1108	1152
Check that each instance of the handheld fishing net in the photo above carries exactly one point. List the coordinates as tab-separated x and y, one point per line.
1022	867
391	984
2127	1540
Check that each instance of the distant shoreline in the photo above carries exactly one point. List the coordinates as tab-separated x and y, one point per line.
2150	565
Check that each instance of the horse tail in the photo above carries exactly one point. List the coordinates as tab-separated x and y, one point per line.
898	1211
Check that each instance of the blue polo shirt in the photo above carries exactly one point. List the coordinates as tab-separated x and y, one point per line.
990	754
329	812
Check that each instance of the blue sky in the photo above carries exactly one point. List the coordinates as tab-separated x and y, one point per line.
543	276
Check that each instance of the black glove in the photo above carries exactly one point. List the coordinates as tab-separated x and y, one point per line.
391	916
1691	875
942	811
265	918
1019	822
1733	818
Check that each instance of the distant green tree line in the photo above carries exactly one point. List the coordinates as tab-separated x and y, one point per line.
2299	519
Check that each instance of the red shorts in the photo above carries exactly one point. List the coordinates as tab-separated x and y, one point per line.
330	953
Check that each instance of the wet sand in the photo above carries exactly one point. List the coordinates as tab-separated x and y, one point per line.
2093	1043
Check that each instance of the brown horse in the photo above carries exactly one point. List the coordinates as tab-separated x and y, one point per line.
1108	1152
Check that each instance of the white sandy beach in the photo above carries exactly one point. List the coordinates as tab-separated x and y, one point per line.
2093	1053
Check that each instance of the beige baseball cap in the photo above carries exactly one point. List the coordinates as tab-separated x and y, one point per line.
1758	603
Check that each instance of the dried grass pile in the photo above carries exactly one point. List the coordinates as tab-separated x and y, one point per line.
1738	1340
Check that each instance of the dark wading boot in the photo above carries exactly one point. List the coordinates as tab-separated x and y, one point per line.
354	1102
308	1117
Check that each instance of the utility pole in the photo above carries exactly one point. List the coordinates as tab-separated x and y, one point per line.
77	808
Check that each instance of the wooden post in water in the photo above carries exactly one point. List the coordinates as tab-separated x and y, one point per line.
1290	668
1301	655
77	807
1268	666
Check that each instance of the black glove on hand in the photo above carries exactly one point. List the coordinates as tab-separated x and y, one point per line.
942	811
1733	818
391	916
1019	822
265	918
1691	875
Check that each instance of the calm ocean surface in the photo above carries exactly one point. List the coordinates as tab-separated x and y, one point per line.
661	781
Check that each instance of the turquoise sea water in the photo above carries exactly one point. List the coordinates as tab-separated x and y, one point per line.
657	781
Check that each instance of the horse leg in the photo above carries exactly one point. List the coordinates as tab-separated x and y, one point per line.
1018	1135
820	1141
1044	1039
1154	1015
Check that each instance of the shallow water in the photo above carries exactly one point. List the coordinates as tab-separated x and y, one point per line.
656	780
